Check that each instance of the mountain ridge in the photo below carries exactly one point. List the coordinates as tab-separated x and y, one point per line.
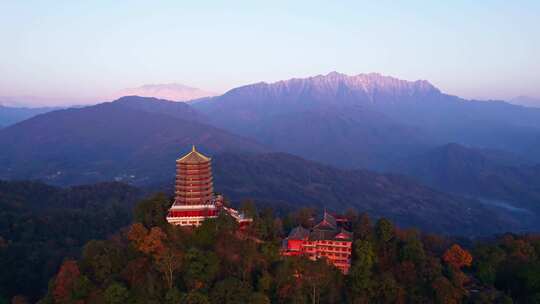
169	91
12	115
322	101
484	174
109	141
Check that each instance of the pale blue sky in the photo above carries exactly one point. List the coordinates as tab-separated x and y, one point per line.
86	49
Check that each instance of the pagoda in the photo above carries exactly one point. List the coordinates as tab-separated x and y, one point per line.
194	199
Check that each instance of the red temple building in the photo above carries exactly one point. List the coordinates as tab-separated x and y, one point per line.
194	199
329	239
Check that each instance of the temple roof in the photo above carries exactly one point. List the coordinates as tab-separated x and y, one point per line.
298	233
328	222
194	157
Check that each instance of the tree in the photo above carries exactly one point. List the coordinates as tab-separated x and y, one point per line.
81	288
248	208
264	282
116	293
457	257
65	281
384	230
445	292
362	227
412	250
259	298
201	268
360	277
152	212
101	260
167	257
195	297
316	276
231	291
173	296
387	288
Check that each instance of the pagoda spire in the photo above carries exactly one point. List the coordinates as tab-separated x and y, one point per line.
193	148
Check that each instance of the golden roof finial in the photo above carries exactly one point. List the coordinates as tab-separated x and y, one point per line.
194	156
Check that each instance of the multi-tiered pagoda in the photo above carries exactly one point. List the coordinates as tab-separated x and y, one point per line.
194	199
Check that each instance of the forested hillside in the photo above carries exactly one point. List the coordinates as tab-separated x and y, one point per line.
153	262
41	225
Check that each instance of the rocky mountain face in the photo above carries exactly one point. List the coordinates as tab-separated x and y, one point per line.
171	91
367	120
258	101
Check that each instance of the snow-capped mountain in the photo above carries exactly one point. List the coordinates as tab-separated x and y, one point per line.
171	91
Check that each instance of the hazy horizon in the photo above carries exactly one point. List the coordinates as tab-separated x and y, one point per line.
86	51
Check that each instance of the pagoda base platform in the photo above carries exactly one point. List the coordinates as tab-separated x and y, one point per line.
191	215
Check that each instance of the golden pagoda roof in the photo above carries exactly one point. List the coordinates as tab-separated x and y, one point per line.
194	157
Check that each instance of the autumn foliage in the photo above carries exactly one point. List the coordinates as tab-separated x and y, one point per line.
65	280
457	257
153	263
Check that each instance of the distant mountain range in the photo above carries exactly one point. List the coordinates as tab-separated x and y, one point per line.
171	91
286	179
12	115
368	120
484	174
350	122
526	101
122	141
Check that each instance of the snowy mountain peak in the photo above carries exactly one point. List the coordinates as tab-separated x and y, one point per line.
336	86
171	91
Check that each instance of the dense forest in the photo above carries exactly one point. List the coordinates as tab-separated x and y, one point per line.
41	225
139	258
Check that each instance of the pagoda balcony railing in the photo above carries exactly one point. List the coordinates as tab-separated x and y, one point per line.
183	165
194	184
201	177
193	194
201	167
181	172
194	164
194	191
194	180
180	168
201	173
194	197
194	170
202	205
